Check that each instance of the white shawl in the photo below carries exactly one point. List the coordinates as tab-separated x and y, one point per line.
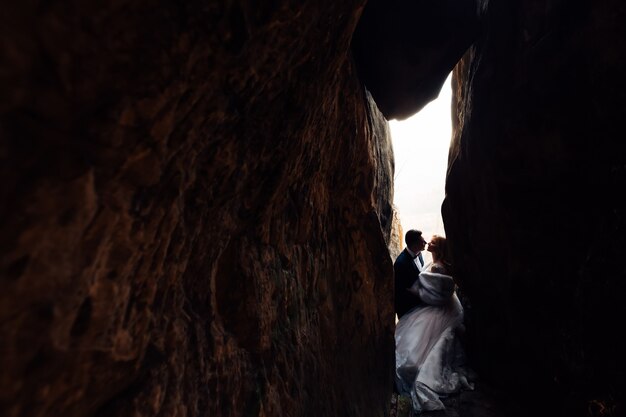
434	289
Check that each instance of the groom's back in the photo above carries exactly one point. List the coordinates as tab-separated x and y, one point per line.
405	274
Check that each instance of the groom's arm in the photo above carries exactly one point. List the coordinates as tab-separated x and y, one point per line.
414	294
410	291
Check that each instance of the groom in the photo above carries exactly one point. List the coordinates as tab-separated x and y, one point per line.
406	269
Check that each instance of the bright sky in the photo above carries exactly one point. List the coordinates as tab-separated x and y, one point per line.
420	145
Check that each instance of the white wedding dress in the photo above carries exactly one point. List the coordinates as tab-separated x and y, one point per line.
429	356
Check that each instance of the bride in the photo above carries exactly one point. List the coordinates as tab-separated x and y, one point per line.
429	356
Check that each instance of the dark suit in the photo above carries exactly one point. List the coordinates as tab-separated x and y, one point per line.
405	274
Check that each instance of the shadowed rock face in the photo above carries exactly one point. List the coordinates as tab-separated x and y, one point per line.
405	49
535	210
194	211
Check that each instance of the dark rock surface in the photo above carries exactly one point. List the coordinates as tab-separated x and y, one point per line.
195	203
194	209
535	202
405	49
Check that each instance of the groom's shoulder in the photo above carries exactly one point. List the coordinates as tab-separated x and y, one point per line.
402	257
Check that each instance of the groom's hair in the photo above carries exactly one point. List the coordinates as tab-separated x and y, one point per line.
413	237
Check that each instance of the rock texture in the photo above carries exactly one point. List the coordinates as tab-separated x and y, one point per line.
396	241
535	202
405	49
194	211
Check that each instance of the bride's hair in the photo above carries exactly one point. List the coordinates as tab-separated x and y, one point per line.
439	246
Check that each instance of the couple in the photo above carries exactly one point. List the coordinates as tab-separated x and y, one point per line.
429	355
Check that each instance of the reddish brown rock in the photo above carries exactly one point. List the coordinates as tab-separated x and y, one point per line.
535	210
194	212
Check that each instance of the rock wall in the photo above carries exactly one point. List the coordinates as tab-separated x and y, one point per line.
535	202
405	49
194	212
396	242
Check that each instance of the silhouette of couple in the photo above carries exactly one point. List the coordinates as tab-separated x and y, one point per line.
429	356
